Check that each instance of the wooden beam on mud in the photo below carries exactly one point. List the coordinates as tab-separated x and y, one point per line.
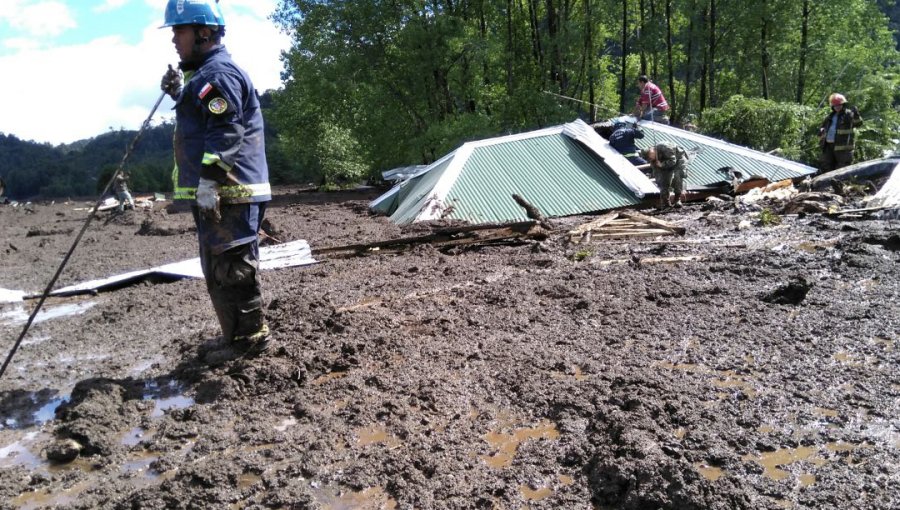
623	224
443	238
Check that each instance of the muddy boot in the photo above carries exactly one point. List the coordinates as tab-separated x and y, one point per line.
678	204
252	330
663	201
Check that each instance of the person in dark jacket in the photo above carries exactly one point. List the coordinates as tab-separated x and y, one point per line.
622	139
836	134
220	164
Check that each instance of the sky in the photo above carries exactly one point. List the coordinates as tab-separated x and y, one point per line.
74	69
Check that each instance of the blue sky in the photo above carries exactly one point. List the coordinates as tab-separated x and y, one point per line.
74	69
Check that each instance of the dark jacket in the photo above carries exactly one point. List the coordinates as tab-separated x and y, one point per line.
623	138
219	133
844	138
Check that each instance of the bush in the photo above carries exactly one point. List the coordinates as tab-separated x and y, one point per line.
765	125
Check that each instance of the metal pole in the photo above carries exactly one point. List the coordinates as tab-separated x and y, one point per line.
84	228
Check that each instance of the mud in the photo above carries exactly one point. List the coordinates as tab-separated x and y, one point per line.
762	373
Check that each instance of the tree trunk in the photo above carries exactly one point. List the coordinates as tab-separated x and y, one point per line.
804	49
671	91
642	28
589	52
704	69
536	49
553	39
713	39
655	23
764	51
622	82
510	48
688	65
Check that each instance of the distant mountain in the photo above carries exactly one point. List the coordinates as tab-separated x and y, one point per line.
34	170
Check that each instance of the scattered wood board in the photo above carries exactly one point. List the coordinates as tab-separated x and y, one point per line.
443	238
619	224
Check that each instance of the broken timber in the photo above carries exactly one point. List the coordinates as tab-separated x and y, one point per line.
623	224
444	238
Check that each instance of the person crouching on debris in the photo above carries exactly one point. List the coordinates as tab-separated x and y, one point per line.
651	103
836	134
220	164
120	186
669	164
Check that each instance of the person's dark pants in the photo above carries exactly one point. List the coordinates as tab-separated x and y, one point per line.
636	160
832	159
229	257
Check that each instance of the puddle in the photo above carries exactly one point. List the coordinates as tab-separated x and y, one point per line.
771	461
32	410
679	433
19	453
535	494
134	436
42	499
708	472
566	480
727	379
506	445
373	498
166	398
765	429
18	315
248	480
376	435
140	463
828	413
807	479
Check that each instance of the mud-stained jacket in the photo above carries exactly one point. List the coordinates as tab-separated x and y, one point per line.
671	157
847	119
219	133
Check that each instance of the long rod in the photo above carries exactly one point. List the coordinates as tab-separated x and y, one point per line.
84	228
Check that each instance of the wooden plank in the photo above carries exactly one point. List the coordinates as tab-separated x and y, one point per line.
469	234
594	224
654	221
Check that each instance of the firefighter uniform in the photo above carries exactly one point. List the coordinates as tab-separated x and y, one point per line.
219	136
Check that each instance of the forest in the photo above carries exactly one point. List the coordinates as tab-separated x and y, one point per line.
371	85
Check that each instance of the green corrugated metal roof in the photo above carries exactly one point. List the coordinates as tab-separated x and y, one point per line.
554	173
715	154
414	192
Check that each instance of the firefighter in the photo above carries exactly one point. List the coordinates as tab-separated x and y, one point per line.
836	134
220	164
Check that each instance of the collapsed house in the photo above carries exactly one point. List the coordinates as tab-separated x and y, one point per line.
719	165
562	171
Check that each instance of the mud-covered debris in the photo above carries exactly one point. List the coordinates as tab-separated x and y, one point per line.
813	202
63	450
38	231
791	294
150	227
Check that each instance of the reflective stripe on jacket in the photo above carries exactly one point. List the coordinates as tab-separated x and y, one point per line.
847	119
219	122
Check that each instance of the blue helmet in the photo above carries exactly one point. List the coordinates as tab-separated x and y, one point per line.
193	12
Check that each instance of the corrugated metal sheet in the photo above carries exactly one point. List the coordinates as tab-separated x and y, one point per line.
715	154
554	173
413	194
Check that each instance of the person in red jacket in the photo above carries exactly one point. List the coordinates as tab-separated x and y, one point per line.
651	103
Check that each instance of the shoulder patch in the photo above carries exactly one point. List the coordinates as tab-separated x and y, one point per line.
218	105
205	90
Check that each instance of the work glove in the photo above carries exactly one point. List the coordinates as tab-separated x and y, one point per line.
171	82
208	199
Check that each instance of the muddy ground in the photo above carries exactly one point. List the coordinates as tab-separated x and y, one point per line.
763	375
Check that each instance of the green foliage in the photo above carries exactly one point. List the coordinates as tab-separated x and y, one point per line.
769	218
581	255
765	125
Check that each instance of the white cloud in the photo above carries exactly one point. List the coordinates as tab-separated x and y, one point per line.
70	93
45	18
110	5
